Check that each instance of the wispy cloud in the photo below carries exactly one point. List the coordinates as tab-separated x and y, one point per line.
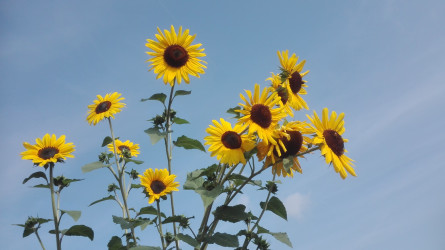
296	204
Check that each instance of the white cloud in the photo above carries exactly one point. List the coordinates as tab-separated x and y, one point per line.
296	204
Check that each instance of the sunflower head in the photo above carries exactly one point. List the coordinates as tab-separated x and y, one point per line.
126	148
173	56
291	141
292	78
280	87
104	107
260	114
49	149
329	131
228	144
158	183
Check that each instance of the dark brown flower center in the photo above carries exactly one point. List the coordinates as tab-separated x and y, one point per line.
157	186
175	56
231	140
282	92
122	148
295	82
261	115
334	141
293	145
103	107
48	152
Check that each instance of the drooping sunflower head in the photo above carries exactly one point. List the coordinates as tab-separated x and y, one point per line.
158	183
291	141
228	144
104	107
282	91
173	56
293	79
329	132
122	147
260	113
48	149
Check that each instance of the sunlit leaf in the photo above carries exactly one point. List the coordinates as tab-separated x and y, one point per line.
93	166
178	120
74	214
155	135
209	196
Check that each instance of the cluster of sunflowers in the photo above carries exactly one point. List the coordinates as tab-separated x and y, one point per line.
262	127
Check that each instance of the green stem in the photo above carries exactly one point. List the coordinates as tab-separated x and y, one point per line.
160	225
121	180
247	240
55	211
38	237
169	152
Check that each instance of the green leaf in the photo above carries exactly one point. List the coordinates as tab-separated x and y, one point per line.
27	232
93	166
282	237
67	181
188	239
233	112
182	92
38	174
115	244
150	210
80	230
193	183
126	224
134	161
178	120
240	179
111	197
189	143
133	186
42	186
158	97
223	239
231	213
74	214
177	218
288	162
107	140
155	135
209	196
276	206
145	248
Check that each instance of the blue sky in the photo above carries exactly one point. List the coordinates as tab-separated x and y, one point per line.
380	62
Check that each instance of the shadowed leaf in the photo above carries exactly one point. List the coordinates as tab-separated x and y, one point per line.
189	143
223	239
38	174
231	213
80	230
276	206
93	166
111	197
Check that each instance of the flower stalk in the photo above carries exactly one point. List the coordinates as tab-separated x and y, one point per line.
54	208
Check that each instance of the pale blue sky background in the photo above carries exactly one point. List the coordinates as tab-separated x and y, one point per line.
380	62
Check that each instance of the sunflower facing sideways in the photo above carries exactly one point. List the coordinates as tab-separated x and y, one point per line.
158	183
293	82
48	149
174	57
282	93
291	141
104	107
227	143
260	113
131	148
329	136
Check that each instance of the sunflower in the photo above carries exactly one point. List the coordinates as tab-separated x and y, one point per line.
104	107
174	57
291	141
282	93
293	79
260	114
329	136
227	143
158	183
48	149
128	146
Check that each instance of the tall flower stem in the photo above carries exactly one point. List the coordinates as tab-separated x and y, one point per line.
121	180
247	240
161	234
55	210
169	151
